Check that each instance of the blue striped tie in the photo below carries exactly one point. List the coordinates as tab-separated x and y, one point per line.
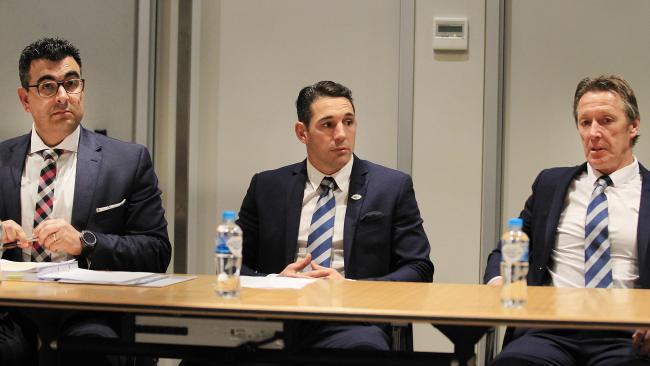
598	264
321	230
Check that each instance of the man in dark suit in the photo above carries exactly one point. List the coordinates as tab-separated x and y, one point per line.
333	216
69	193
588	227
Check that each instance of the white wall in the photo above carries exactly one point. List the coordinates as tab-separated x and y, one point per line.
551	45
104	32
447	147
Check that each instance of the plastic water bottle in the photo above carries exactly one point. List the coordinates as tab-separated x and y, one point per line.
228	257
514	264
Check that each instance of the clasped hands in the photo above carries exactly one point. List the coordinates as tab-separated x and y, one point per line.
57	235
296	268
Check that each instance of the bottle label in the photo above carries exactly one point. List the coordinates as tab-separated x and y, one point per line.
511	251
234	243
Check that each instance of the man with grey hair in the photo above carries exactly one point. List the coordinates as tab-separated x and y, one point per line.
588	227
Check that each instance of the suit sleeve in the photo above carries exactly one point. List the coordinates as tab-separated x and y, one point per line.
409	244
143	243
494	260
249	223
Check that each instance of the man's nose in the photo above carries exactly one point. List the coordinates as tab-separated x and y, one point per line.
61	95
339	132
594	129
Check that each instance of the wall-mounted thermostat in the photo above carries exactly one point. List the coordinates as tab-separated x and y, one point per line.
450	34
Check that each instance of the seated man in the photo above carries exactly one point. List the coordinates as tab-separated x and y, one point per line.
333	216
76	193
588	227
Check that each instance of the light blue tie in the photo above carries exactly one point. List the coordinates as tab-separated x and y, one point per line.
321	230
598	264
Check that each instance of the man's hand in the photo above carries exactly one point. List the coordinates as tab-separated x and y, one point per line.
295	268
58	235
11	231
641	341
323	272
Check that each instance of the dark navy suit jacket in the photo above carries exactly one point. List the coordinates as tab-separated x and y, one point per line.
130	237
383	236
541	215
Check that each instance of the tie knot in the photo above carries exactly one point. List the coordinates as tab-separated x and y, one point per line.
51	154
604	181
328	184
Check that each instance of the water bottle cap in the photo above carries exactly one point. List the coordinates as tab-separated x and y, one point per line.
516	222
229	215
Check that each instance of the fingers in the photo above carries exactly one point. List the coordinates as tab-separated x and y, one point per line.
637	338
304	262
645	350
13	232
319	271
46	228
58	235
641	341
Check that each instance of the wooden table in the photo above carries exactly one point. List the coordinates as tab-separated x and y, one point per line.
365	301
351	301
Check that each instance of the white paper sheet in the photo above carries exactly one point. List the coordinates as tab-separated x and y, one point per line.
11	266
80	275
271	282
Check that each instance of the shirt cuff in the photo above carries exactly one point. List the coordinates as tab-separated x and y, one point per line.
493	279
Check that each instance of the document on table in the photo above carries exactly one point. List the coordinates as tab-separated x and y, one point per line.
274	282
34	270
80	275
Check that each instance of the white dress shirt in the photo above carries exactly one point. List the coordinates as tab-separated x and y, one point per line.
66	168
623	200
310	198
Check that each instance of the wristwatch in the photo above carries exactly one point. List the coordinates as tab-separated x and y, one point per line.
88	241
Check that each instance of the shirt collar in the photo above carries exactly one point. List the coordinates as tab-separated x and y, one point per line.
619	177
342	177
69	143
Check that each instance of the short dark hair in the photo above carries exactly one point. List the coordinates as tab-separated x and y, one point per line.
609	83
310	93
53	49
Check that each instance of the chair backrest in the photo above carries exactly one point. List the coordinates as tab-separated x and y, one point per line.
402	335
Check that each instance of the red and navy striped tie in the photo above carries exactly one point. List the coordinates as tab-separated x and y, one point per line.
45	199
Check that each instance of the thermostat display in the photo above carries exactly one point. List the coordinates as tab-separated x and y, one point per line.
450	34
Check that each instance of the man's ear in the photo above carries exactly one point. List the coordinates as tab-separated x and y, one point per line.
634	127
24	98
301	132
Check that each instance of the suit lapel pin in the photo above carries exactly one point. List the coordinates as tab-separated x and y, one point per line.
356	196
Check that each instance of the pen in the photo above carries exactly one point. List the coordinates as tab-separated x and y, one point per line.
14	244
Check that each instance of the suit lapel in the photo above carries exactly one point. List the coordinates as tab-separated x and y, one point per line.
643	229
89	158
295	193
16	159
555	210
358	186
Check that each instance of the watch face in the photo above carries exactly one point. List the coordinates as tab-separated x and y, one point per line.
89	238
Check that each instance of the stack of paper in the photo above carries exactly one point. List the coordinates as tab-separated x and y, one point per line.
70	272
32	271
80	275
